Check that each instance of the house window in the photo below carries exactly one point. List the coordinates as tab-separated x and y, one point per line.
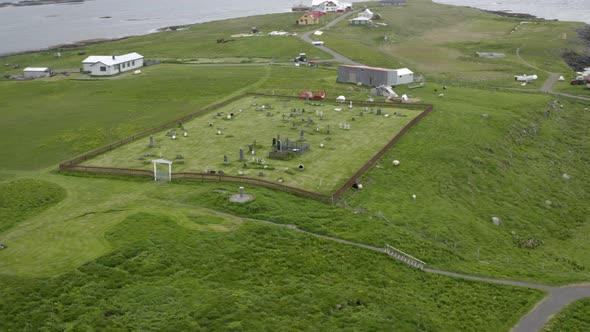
123	64
103	68
133	63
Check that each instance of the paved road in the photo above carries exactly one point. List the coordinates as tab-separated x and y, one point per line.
553	303
556	299
337	56
553	77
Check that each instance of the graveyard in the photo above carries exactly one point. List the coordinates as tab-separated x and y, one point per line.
492	183
311	145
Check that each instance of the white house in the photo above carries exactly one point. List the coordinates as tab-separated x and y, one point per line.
330	6
360	21
36	72
105	65
367	13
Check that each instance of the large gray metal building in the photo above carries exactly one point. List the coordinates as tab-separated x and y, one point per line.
374	76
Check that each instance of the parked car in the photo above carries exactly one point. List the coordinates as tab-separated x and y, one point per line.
317	43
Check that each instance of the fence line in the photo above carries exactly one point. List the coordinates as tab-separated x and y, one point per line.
72	165
338	194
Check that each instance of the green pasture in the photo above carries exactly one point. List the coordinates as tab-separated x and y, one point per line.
341	139
466	169
88	252
193	268
440	41
48	121
575	318
194	44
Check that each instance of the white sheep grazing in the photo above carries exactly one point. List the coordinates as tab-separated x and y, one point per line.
413	196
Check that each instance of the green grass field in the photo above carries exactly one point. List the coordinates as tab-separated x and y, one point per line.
115	253
336	150
576	317
440	42
197	43
133	262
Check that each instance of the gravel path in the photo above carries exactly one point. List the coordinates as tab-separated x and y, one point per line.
337	56
553	303
553	77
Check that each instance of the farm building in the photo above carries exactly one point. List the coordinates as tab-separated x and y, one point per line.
105	65
367	13
360	21
330	6
309	18
374	76
36	72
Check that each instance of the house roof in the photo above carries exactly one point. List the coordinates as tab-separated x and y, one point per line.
404	71
314	15
42	69
400	71
360	19
111	60
366	67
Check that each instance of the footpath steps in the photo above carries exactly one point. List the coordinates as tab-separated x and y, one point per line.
404	258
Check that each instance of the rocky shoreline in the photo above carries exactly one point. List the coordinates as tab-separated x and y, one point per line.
24	3
513	15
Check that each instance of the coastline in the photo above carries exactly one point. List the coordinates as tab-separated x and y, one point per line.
68	46
25	3
84	43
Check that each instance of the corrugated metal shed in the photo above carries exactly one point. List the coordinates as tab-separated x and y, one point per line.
36	72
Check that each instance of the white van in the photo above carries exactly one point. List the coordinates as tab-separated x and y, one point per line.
317	43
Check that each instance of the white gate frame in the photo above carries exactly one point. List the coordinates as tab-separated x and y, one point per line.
162	161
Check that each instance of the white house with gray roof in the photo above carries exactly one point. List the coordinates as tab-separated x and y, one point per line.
106	65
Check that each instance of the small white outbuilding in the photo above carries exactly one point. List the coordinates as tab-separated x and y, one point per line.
36	72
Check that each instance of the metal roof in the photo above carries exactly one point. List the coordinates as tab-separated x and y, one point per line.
404	71
367	67
43	69
111	60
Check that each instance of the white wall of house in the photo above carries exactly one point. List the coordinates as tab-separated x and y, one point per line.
360	21
100	69
132	64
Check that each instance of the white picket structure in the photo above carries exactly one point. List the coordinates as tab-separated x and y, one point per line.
403	257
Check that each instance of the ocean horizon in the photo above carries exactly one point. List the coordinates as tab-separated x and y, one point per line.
29	28
562	10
